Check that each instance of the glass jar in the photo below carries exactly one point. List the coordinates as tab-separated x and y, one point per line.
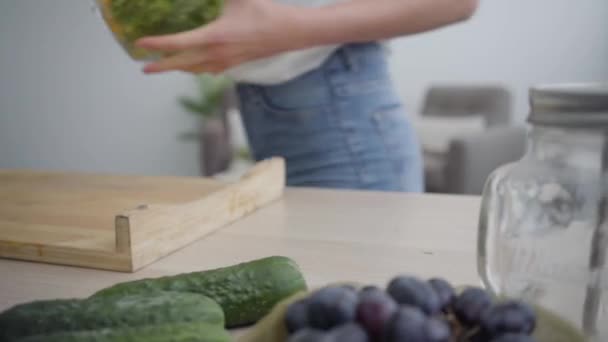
543	228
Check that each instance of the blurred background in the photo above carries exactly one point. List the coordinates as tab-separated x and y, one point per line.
71	99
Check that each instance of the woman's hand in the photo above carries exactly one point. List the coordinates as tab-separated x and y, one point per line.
247	30
253	29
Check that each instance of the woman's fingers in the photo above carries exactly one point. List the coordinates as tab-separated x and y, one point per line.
206	68
180	61
175	42
198	69
215	65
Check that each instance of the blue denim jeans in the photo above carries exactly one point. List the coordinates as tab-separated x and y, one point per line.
341	125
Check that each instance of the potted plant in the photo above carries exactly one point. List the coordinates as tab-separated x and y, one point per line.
215	98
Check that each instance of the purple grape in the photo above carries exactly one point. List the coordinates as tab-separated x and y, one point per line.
478	336
349	287
411	324
437	330
407	324
509	317
309	335
350	332
331	307
412	291
514	338
471	305
444	291
296	316
374	311
369	288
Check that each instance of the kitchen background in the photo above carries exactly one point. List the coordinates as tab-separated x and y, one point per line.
71	99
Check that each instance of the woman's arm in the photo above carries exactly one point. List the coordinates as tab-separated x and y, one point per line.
368	20
252	29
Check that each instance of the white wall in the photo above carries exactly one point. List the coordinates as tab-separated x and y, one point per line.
515	42
71	99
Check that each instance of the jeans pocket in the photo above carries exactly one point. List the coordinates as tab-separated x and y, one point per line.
296	100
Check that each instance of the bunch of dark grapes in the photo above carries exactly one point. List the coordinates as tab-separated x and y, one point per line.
408	310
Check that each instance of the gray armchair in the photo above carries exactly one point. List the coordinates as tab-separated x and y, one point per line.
469	158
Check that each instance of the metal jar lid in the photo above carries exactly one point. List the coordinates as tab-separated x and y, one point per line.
583	105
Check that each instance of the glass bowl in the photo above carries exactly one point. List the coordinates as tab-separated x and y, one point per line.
130	20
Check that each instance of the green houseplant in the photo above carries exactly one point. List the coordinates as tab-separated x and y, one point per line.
210	99
211	104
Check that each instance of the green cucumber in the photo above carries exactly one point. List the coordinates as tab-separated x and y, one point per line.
246	291
61	315
176	332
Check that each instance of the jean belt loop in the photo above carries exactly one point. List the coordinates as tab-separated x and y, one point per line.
348	58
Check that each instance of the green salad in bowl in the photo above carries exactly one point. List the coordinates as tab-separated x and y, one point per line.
130	20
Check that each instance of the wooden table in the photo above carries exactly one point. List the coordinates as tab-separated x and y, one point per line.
334	235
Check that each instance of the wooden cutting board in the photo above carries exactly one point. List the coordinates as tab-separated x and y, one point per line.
121	222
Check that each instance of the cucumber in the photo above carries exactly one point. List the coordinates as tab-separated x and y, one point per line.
246	291
176	332
61	315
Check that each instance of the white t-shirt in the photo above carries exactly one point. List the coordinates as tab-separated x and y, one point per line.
285	66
